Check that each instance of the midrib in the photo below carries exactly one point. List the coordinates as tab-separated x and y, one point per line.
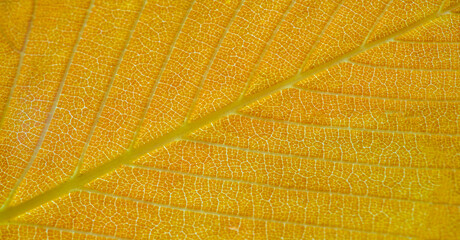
179	133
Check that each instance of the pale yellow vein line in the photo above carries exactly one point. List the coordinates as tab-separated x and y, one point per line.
441	6
401	68
160	74
290	188
318	39
265	50
291	123
179	133
19	67
208	68
377	22
107	92
185	209
52	109
37	226
10	42
376	97
424	42
290	155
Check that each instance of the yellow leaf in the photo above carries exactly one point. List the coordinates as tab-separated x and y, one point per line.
251	119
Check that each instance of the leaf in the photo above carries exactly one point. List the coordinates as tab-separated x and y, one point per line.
229	120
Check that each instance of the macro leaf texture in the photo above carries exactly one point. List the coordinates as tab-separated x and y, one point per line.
251	119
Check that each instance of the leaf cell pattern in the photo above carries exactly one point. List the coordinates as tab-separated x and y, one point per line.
247	119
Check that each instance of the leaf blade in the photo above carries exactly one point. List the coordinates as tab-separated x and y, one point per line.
179	133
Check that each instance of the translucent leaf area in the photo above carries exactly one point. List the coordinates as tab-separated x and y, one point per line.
251	119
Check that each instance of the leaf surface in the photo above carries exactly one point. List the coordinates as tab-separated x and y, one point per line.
246	119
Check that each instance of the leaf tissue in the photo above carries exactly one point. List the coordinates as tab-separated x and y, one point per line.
229	119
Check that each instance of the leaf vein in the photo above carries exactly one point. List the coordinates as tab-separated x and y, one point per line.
377	97
292	123
401	68
19	67
51	112
160	74
67	230
211	61
290	188
179	133
107	91
265	50
184	209
290	155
